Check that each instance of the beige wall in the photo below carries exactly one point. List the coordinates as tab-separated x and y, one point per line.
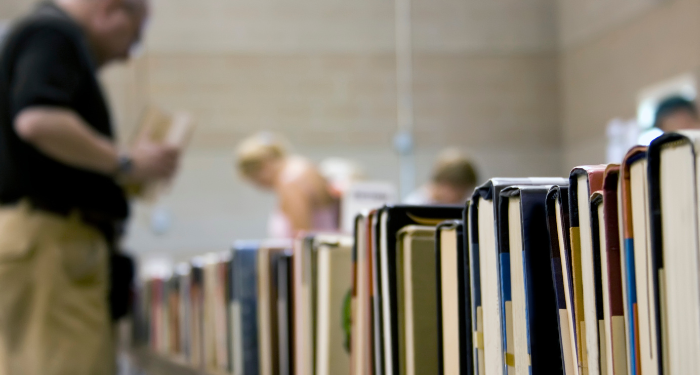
582	20
323	74
13	8
602	75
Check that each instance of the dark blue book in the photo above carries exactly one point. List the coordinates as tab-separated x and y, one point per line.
491	290
560	254
244	309
535	330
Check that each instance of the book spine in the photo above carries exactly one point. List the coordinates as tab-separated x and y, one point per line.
245	297
285	342
464	291
632	319
507	311
477	316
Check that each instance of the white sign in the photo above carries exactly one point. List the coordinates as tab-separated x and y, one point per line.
362	196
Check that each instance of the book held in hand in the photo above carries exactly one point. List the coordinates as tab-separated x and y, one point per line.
160	127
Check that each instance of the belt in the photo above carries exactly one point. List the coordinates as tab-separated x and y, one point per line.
111	228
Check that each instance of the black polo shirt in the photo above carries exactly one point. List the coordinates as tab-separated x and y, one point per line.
45	60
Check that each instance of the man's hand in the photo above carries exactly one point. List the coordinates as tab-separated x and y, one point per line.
153	161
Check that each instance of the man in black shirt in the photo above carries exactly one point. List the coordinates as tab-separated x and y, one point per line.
60	193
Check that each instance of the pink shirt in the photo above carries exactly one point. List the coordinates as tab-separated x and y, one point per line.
325	219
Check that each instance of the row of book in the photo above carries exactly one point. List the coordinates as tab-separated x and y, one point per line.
594	274
238	311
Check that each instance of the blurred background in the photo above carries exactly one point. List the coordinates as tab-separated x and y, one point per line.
525	87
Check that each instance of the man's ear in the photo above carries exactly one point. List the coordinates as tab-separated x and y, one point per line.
110	6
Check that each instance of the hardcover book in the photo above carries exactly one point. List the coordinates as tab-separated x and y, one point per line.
333	297
361	339
583	181
391	220
491	283
535	330
306	288
606	242
673	198
244	309
268	254
417	302
643	351
560	253
183	274
197	311
454	325
285	307
373	232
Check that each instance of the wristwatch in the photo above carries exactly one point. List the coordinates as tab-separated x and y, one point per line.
124	165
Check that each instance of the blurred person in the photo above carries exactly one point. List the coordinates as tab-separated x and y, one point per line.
453	181
305	198
61	199
676	113
341	173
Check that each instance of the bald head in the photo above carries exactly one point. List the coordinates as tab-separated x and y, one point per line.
112	26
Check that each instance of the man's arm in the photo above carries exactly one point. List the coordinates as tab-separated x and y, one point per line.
64	136
47	74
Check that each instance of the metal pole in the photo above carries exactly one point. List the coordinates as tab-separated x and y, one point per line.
403	141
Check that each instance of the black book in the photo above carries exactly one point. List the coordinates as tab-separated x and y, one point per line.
377	328
560	254
282	265
391	220
197	312
533	300
673	188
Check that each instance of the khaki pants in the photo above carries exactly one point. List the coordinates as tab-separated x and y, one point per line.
54	316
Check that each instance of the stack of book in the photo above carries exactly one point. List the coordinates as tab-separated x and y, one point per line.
592	274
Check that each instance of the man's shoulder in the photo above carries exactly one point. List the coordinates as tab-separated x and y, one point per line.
42	23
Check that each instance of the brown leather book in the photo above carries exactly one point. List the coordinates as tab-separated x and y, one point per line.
361	336
606	239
